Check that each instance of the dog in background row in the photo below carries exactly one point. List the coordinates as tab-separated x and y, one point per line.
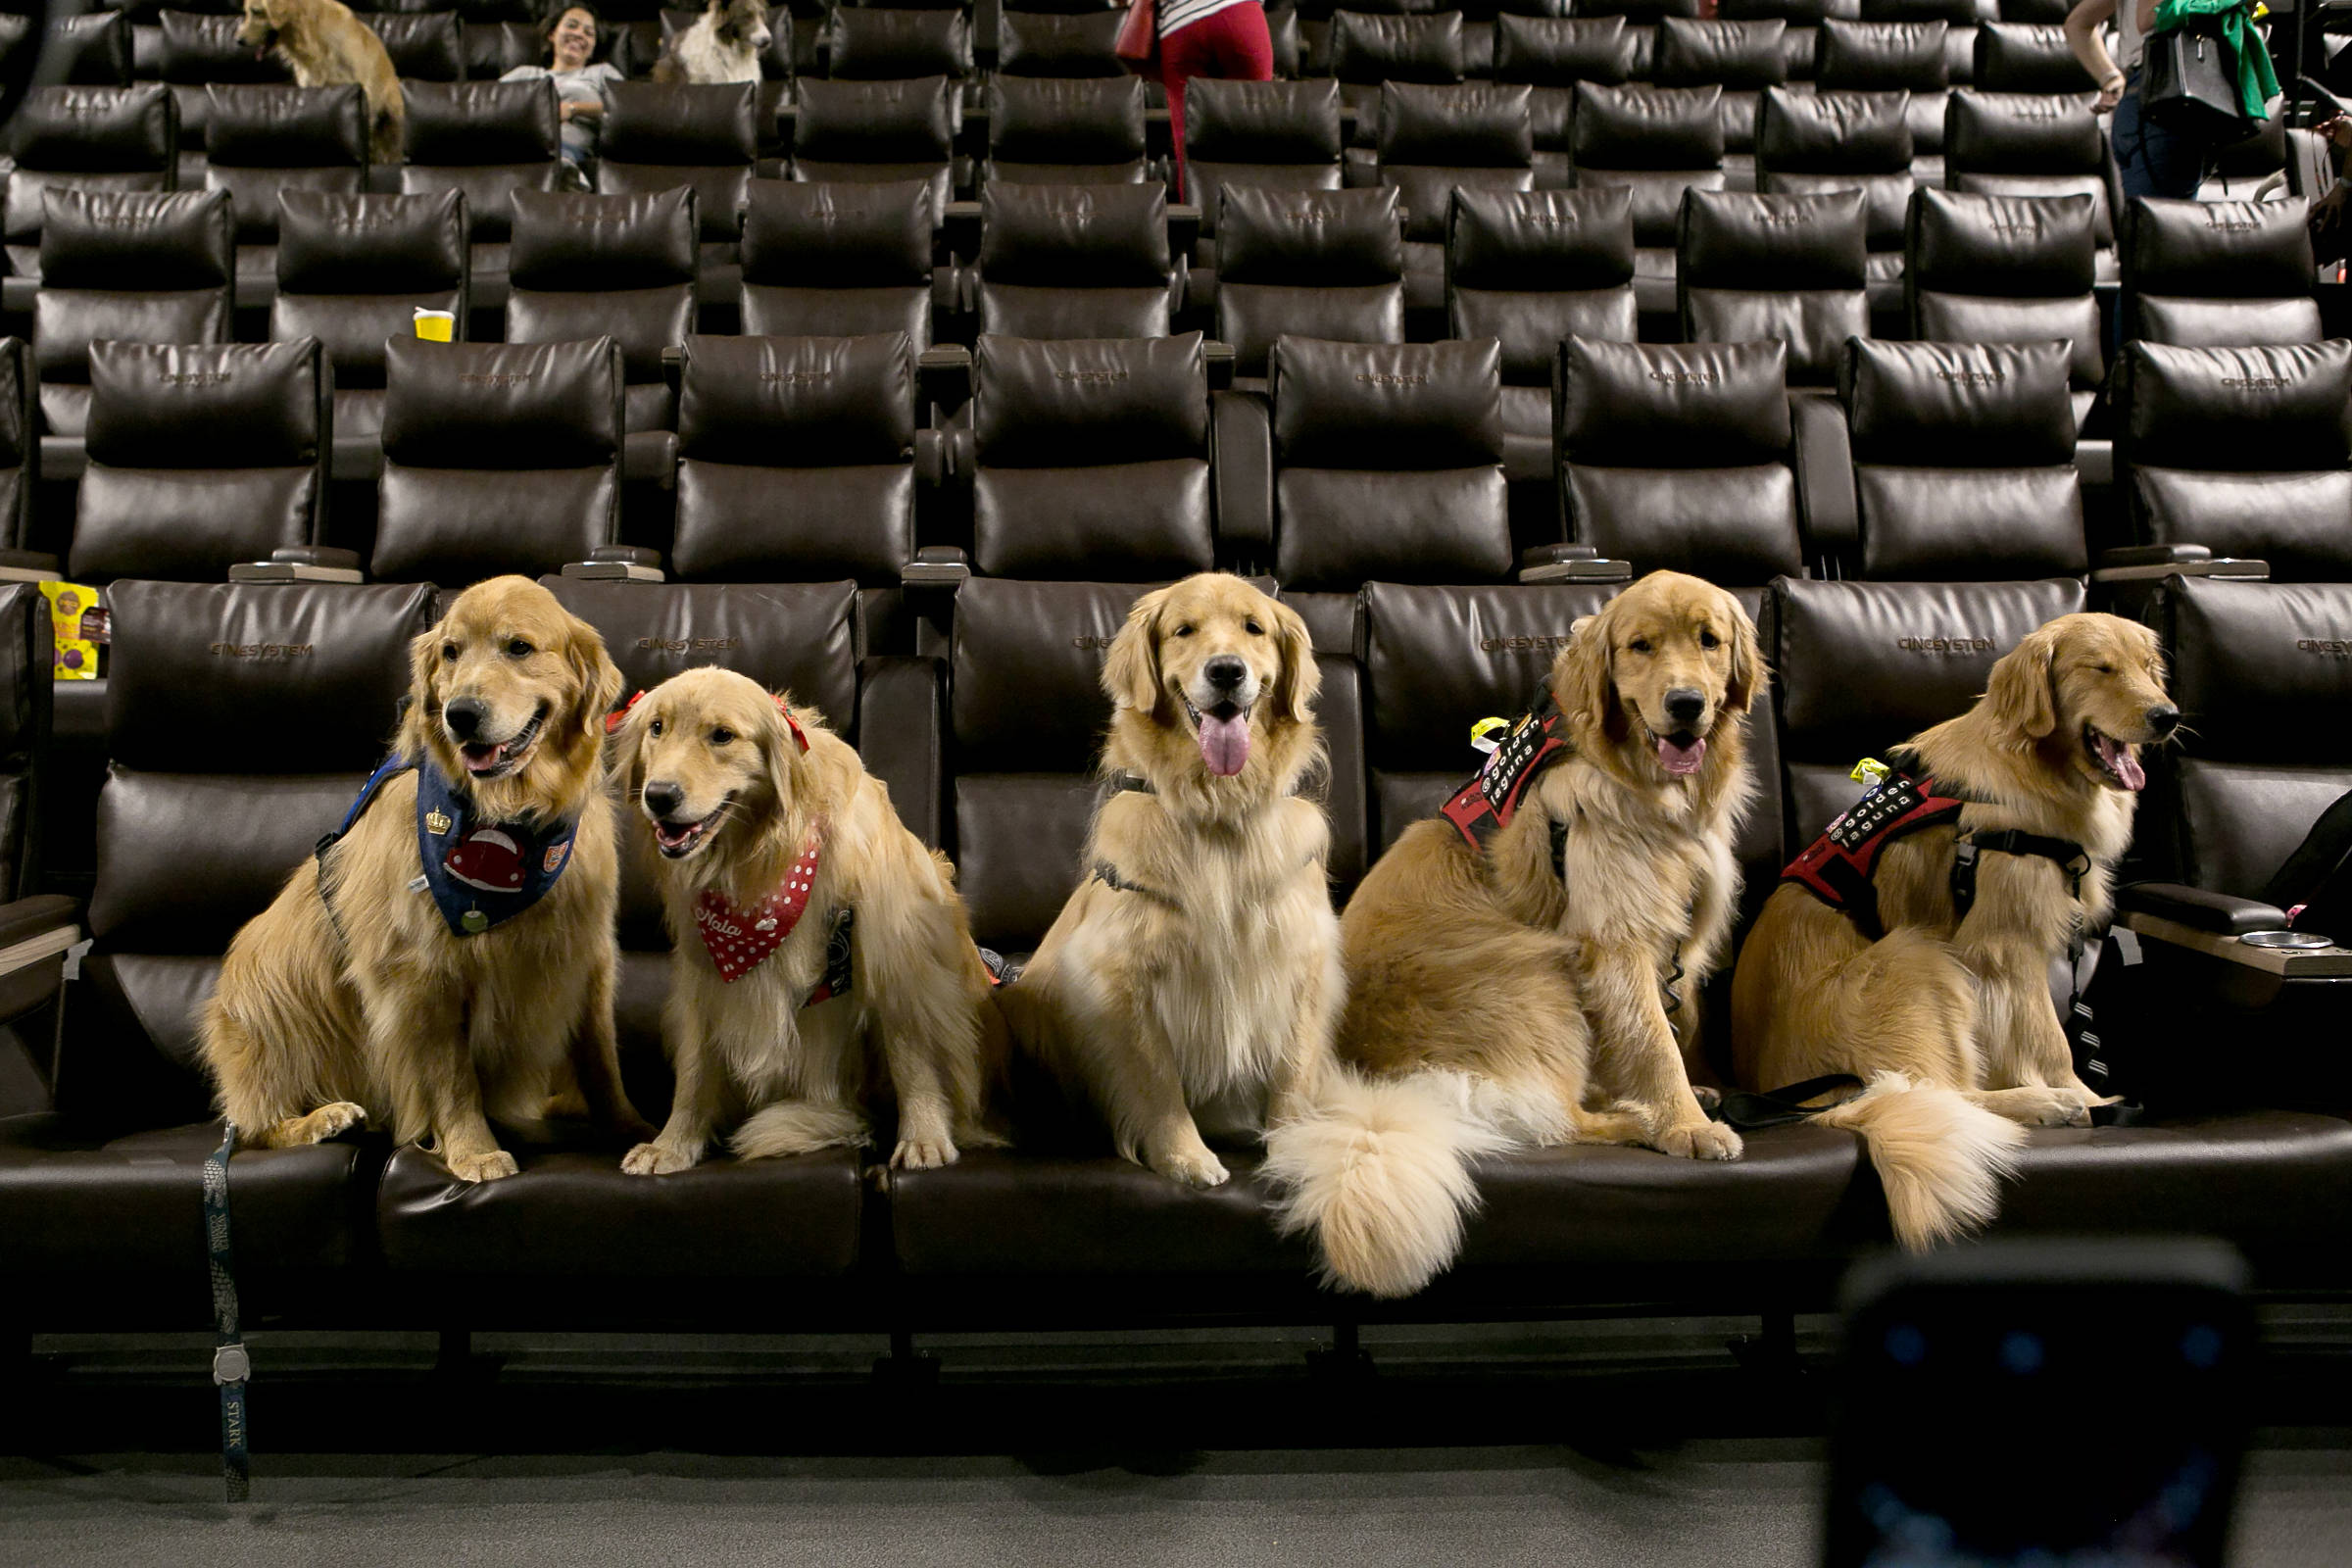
822	960
435	996
724	44
1962	1001
326	46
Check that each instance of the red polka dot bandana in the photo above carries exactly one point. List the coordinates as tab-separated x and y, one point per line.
740	937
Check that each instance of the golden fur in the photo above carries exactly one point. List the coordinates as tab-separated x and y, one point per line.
373	1010
1209	998
1966	1005
1519	1007
709	760
326	46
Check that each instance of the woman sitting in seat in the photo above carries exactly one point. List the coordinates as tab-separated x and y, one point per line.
571	31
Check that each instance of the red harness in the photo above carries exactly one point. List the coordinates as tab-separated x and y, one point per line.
1839	866
1490	800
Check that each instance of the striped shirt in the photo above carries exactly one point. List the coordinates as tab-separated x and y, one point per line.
1175	14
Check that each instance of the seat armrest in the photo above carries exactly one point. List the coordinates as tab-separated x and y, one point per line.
936	568
901	735
959	227
1241	454
2199	908
1577	568
1825	476
2153	554
618	564
30	565
1220	363
62	456
2154	562
317	555
1552	555
34	933
944	371
1184	230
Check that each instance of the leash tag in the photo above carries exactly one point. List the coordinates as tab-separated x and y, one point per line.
1870	772
1482	736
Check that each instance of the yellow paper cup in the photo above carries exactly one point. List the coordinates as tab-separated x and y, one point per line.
436	327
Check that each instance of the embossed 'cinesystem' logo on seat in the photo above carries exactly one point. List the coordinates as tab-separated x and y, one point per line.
2325	647
1522	645
2015	230
1944	644
1973	377
1089	640
1387	378
1091	377
262	650
1686	378
688	644
2230	225
796	377
2254	383
496	377
194	378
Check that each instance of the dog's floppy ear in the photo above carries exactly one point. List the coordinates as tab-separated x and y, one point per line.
594	676
1131	672
787	766
1747	661
1301	677
1582	680
2019	695
627	756
420	715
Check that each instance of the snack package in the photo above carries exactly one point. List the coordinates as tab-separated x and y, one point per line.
78	624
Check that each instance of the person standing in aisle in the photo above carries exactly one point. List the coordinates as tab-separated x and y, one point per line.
2150	158
1222	38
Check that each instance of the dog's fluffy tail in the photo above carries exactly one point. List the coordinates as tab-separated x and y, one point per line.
797	1127
1941	1159
1379	1170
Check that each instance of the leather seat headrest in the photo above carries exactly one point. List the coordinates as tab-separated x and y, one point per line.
565	241
2272	408
286	127
1068	120
502	404
1313	238
459	123
207	405
1833	132
1881	57
2027	57
1464	126
867	43
1735	56
1559	51
1367	50
334	244
798	402
1648	128
1079	401
1795	12
799	638
194	663
97	130
1074	236
838	235
1262	121
2021	133
1436	659
1737	240
1026	693
691	124
1390	405
2217	250
1541	240
137	240
1958	405
1673	405
909	122
2011	247
2253	664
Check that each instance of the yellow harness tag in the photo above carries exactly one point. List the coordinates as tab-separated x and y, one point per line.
1870	772
1487	734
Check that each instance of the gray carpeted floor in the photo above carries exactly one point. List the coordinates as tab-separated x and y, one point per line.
1717	1501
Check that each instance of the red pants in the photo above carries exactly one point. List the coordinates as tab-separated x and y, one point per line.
1231	45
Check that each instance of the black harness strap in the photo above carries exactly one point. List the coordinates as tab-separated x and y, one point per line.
1746	1111
2068	856
231	1366
1109	875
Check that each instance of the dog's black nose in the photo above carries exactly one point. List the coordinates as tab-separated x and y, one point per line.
1684	704
1226	672
465	717
663	800
2164	719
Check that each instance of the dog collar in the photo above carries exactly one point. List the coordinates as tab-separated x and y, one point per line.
740	937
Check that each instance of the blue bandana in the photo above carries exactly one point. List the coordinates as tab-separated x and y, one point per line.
478	873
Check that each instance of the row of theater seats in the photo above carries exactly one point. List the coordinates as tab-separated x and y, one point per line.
244	717
1057	131
800	458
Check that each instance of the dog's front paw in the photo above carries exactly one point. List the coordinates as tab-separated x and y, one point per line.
488	1167
1701	1140
923	1153
1195	1167
656	1159
2052	1107
330	1120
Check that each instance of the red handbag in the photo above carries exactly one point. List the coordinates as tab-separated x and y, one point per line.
1137	45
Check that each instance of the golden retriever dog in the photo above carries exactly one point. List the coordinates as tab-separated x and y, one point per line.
1963	1004
1528	989
823	958
326	46
724	44
1193	978
435	997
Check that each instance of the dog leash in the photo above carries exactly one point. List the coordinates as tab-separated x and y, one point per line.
1749	1110
232	1366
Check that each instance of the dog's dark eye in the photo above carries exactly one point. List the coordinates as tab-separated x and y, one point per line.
654	728
1184	631
449	651
1707	639
1639	645
721	737
1253	629
518	649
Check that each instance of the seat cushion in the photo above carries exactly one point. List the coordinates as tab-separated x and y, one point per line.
572	1212
2277	1184
78	1202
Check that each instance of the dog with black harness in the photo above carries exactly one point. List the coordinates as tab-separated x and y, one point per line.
1912	944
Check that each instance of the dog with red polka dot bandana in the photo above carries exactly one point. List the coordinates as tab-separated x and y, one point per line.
824	978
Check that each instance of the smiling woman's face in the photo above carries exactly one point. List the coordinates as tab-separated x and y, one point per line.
573	39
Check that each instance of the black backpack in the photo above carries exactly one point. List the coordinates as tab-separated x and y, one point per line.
2315	885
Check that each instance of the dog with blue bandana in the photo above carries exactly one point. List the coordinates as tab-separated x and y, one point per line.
446	960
